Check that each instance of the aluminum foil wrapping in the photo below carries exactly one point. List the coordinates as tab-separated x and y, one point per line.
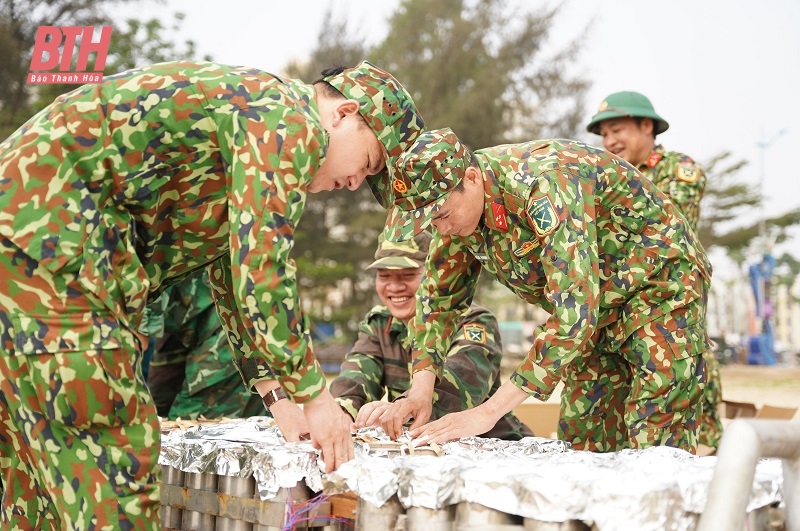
659	488
542	479
243	448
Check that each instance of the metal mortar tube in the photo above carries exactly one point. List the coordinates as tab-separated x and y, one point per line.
171	516
235	487
424	519
196	519
369	516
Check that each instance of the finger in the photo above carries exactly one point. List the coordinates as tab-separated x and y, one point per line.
397	425
329	456
418	421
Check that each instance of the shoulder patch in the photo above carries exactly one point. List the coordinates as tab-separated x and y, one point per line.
687	172
475	332
543	215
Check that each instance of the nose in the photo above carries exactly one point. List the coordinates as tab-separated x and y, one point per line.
354	181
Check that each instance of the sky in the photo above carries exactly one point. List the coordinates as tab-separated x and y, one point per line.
724	73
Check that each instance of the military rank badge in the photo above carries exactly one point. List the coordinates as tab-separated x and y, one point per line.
499	214
653	159
525	248
475	332
543	215
687	172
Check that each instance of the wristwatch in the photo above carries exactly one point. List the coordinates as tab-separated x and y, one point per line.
273	396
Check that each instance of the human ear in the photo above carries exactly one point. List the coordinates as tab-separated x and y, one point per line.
473	176
344	109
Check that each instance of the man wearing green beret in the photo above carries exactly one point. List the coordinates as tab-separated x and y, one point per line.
117	190
380	361
583	234
629	125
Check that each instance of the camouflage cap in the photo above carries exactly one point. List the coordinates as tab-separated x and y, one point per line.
627	104
423	179
402	255
388	110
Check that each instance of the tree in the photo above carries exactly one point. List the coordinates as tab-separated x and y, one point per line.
727	198
480	69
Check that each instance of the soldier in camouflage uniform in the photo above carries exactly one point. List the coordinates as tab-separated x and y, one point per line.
583	234
193	372
629	125
380	361
117	190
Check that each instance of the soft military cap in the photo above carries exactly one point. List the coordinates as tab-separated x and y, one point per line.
423	179
388	110
402	255
626	105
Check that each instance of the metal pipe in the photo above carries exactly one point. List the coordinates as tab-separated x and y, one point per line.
743	443
199	482
235	487
473	515
424	519
370	517
171	517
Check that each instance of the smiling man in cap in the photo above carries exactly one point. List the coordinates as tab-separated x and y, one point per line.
629	125
116	191
583	234
380	361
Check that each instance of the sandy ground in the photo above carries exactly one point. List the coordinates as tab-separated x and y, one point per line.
777	385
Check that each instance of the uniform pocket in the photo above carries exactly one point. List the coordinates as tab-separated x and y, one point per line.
79	373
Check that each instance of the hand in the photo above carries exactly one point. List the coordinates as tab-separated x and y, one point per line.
418	405
454	426
290	419
370	414
330	430
472	421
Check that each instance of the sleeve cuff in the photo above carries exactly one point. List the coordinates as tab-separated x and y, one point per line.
539	388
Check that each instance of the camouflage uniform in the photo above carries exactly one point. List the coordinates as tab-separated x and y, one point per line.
193	371
683	181
108	195
380	364
580	232
679	177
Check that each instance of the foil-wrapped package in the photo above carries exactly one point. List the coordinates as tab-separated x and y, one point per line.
540	479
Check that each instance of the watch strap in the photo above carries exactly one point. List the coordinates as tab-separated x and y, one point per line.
273	396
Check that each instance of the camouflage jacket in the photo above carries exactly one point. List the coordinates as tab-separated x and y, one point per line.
167	169
380	364
678	176
193	332
581	233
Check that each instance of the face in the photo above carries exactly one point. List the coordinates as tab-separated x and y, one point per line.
354	152
627	139
461	212
397	289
